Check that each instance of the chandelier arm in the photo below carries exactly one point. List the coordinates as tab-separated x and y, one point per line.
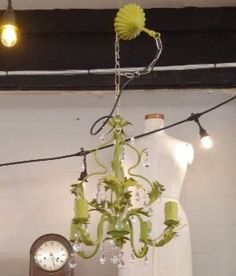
85	256
80	184
94	152
143	251
167	235
85	237
139	155
100	210
96	157
135	212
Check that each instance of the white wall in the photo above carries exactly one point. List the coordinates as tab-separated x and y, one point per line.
35	198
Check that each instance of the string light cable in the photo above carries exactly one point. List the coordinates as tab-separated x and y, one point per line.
122	23
84	152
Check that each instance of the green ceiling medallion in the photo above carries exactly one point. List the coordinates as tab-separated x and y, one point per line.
130	22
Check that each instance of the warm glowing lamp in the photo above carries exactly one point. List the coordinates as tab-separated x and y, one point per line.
8	27
206	142
204	136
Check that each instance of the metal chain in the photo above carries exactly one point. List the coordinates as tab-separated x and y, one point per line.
117	72
133	75
149	68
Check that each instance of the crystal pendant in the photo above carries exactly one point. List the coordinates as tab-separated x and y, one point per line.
99	195
133	219
132	259
121	253
121	264
123	154
132	140
146	162
102	138
102	247
137	196
121	261
72	262
146	260
114	259
150	211
76	246
103	259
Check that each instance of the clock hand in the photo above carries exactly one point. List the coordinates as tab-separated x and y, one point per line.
53	261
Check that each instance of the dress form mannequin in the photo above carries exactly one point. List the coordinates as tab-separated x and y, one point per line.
168	158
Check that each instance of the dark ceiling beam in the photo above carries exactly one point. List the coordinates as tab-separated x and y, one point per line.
204	78
81	51
83	39
101	21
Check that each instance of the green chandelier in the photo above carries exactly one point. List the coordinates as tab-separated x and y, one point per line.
118	193
117	211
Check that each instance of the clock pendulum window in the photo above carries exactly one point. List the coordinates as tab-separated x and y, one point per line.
50	255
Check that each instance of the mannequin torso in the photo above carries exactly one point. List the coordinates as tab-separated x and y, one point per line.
168	158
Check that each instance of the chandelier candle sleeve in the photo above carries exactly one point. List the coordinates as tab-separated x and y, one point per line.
81	209
145	231
171	213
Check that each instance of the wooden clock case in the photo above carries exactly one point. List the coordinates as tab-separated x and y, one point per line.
35	270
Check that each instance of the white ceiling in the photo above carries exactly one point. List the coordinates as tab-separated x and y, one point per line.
102	4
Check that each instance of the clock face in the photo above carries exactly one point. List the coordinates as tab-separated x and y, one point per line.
51	255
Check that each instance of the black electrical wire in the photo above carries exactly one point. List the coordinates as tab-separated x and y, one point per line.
216	106
41	159
86	152
108	117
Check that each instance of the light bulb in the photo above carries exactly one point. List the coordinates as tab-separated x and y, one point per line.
206	142
9	35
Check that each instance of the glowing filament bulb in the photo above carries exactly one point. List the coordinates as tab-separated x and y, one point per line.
9	35
206	142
